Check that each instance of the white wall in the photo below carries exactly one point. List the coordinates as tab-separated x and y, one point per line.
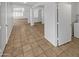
34	15
38	14
10	21
50	22
27	12
74	13
31	17
36	11
77	7
0	28
3	27
6	24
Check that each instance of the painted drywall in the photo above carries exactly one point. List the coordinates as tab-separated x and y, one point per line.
9	21
38	14
74	13
27	12
34	13
64	23
0	28
6	24
77	7
31	17
3	28
50	22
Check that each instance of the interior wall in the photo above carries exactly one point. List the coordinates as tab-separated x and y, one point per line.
6	24
0	28
64	23
50	22
38	14
27	12
74	13
77	8
3	27
36	7
9	21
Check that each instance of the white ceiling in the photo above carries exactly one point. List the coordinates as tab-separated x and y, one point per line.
25	3
33	3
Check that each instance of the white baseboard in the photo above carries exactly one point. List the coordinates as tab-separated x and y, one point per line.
50	41
2	50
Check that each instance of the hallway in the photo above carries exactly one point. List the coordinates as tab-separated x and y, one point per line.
29	41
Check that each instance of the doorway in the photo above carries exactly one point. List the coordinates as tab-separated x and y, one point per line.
39	19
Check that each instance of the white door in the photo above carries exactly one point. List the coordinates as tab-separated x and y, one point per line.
64	23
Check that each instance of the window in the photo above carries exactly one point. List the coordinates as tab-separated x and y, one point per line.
18	12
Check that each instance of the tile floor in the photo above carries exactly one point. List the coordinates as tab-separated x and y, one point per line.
27	41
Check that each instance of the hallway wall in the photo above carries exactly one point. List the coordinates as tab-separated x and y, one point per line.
50	22
74	13
0	28
39	14
37	10
10	20
6	24
3	27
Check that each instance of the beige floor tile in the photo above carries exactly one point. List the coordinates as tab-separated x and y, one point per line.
42	55
34	45
29	41
41	42
24	43
37	51
27	48
64	55
7	55
50	53
29	53
57	50
45	47
18	52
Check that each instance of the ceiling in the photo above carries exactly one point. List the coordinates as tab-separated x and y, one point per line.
25	3
33	3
